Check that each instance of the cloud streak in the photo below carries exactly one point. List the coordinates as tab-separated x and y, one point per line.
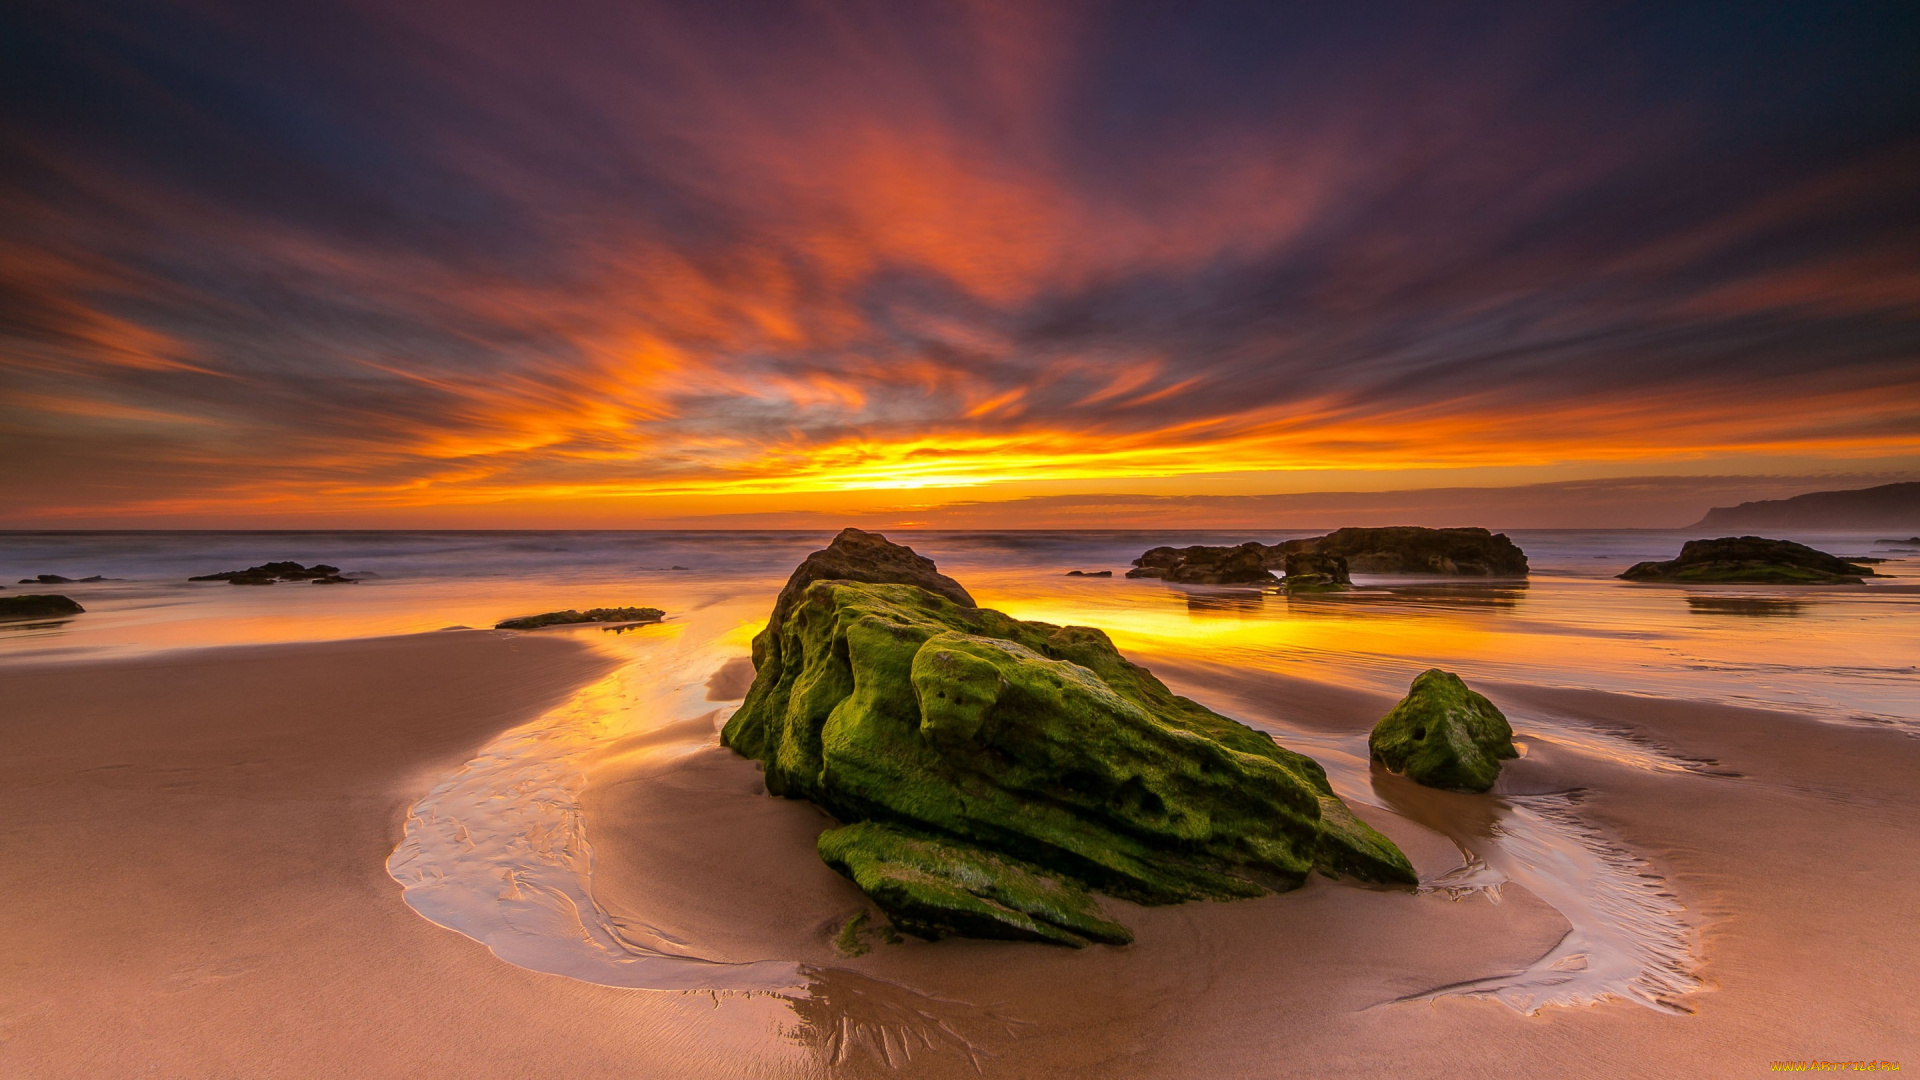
461	254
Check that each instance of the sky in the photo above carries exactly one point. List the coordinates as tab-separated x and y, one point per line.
983	264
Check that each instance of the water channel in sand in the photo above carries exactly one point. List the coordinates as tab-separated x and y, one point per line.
498	851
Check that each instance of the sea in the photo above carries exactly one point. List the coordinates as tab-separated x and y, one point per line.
1847	654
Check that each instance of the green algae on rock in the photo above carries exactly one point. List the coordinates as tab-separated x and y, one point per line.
591	615
1443	735
1020	748
932	888
1752	560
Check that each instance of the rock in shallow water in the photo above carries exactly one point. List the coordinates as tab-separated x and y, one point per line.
1751	560
1021	748
1444	735
38	606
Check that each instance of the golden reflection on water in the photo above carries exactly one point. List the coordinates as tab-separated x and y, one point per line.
1838	654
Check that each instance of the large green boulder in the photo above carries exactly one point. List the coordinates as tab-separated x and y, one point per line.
1444	735
1023	746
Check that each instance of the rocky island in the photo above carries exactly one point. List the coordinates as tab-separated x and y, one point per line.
992	773
1751	560
37	606
273	572
1323	562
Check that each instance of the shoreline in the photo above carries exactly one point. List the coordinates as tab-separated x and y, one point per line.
208	830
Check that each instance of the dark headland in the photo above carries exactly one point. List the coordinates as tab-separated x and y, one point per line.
1889	506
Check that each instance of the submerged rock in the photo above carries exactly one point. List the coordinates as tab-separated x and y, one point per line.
1751	560
591	615
1203	565
1016	764
1411	549
37	606
1089	573
273	572
1444	735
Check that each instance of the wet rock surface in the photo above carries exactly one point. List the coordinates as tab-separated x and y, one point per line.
1444	735
1015	765
1751	560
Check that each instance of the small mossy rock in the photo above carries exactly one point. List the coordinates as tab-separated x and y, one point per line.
1035	743
1444	735
934	888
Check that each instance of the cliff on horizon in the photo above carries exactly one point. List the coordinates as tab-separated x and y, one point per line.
1889	506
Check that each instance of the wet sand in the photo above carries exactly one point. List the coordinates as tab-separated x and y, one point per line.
198	844
195	846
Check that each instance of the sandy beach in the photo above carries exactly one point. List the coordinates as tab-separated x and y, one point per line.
198	842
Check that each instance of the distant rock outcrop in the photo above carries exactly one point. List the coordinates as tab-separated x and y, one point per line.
1324	562
270	573
1889	506
1411	549
1751	560
1089	573
1444	735
1243	564
56	579
591	615
37	606
991	771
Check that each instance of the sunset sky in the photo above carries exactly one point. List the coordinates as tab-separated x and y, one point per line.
982	264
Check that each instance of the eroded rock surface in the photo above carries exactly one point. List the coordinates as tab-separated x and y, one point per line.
1444	735
1007	753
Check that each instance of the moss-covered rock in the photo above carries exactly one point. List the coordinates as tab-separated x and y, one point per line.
1444	735
932	888
1751	560
38	606
1033	744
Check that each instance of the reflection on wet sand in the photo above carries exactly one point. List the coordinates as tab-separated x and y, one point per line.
1239	602
1753	606
1414	599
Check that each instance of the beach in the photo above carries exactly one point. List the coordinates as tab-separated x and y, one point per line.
252	860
